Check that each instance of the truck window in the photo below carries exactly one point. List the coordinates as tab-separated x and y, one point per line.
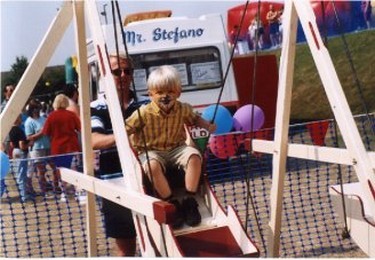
199	68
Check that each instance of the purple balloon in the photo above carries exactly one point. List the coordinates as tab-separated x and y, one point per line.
242	119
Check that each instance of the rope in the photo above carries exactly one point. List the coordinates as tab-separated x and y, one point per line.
346	231
247	175
133	89
143	137
216	107
249	195
230	61
352	67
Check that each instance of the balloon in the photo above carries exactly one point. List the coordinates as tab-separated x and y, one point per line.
223	146
5	166
223	118
242	119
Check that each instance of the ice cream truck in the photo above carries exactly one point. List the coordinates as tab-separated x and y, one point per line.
196	47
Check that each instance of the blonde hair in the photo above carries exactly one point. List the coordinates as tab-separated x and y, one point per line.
165	77
61	102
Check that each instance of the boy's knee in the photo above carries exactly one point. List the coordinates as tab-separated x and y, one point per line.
194	159
153	167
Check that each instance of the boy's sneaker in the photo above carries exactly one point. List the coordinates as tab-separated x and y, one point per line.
192	215
179	214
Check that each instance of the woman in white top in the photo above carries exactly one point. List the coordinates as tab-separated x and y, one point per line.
256	32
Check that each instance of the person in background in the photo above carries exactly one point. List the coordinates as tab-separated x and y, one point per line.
2	181
367	12
281	13
256	32
7	92
232	38
20	146
40	147
272	18
71	91
163	124
62	127
44	111
118	221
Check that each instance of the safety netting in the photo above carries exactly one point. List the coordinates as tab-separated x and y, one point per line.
54	225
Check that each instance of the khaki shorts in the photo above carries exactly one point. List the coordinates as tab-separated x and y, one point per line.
176	158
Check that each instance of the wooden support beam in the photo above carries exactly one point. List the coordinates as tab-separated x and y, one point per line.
84	101
311	152
338	102
116	190
286	72
36	67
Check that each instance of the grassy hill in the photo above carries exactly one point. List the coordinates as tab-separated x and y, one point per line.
309	99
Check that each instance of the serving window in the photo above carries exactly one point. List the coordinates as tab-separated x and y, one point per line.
199	68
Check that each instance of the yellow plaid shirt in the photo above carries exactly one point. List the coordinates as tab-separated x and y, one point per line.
163	132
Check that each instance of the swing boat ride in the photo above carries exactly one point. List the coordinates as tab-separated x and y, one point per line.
221	232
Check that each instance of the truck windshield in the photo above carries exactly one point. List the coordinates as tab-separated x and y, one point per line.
199	68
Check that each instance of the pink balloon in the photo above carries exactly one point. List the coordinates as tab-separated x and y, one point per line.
248	118
223	146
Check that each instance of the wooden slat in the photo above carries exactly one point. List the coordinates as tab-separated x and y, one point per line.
311	152
284	98
35	69
337	100
84	101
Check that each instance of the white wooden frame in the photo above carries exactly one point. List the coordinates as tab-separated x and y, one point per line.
355	154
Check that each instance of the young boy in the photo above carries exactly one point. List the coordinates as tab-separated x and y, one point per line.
163	124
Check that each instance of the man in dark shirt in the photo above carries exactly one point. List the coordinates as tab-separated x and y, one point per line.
118	220
20	147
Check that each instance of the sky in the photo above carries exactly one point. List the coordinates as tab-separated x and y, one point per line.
24	23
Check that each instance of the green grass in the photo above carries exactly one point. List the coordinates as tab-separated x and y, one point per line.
309	99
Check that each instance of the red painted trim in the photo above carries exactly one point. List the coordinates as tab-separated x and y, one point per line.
141	233
371	189
362	207
101	60
164	212
314	35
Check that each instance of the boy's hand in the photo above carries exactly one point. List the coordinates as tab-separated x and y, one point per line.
211	128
